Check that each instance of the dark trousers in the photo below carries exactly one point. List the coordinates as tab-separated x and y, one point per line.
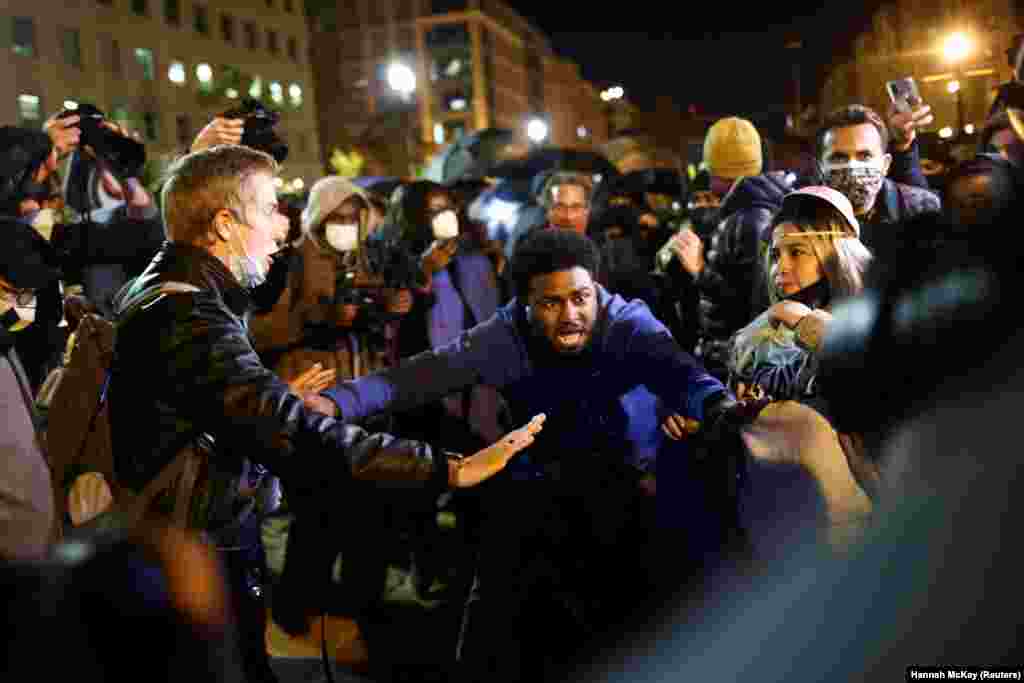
244	571
560	565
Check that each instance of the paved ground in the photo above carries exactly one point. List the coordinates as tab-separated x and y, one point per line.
309	671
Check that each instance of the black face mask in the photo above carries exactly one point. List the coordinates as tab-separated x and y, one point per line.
812	296
704	219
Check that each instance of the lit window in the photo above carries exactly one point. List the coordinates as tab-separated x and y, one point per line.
144	57
256	88
276	92
28	109
71	46
458	104
176	73
582	132
295	94
231	93
70	105
438	134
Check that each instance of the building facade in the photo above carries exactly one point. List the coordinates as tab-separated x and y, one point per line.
478	64
163	68
912	39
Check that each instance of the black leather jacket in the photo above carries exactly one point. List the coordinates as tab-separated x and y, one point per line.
185	367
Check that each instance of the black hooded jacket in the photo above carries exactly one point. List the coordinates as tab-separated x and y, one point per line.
732	267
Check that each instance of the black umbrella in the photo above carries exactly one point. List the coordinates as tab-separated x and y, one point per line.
553	159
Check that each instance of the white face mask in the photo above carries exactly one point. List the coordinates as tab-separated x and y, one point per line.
445	225
342	237
43	222
26	315
249	272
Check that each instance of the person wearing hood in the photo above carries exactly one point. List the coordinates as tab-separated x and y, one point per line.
26	497
457	289
323	317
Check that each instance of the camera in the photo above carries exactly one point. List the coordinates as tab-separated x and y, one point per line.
125	156
259	128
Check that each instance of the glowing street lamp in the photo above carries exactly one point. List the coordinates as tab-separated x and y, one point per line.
537	130
953	87
957	47
946	133
969	129
401	79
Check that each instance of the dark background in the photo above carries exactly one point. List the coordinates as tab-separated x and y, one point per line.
723	57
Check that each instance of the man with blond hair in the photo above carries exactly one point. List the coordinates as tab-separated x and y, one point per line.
186	376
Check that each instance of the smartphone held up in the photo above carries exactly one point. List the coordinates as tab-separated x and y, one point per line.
904	94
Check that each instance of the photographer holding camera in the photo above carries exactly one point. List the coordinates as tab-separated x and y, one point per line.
117	226
331	314
455	287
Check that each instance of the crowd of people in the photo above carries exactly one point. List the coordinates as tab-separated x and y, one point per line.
406	391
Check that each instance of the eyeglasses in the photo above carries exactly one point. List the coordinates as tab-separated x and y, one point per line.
568	208
22	297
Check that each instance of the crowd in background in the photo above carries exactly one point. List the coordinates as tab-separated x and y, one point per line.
226	412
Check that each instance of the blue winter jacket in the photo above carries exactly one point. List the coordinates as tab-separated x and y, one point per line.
595	403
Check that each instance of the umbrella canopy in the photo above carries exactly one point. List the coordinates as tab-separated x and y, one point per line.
553	159
471	154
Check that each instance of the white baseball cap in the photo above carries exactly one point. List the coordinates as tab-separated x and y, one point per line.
796	204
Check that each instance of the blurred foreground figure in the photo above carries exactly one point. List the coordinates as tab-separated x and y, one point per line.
151	606
935	347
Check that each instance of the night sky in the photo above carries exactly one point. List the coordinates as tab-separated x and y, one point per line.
733	61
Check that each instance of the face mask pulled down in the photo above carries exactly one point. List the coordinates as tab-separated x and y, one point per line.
860	181
249	272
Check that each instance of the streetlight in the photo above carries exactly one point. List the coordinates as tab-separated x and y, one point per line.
402	79
537	130
956	49
946	133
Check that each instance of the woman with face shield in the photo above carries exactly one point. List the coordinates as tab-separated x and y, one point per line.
798	476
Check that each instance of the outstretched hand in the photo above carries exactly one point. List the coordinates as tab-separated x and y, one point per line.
314	380
484	464
678	427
